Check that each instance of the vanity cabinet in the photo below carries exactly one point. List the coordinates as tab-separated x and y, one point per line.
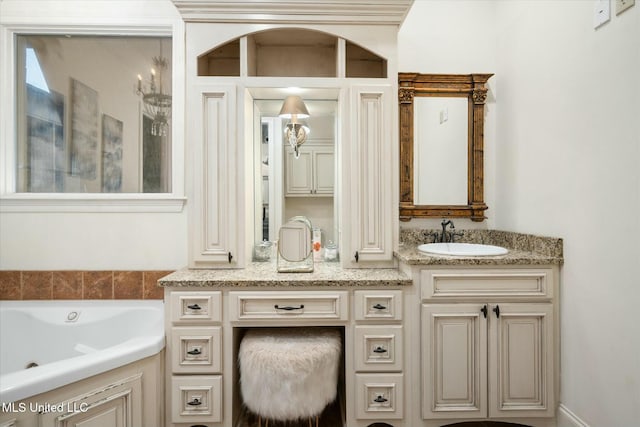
379	355
489	343
194	355
312	174
213	188
369	178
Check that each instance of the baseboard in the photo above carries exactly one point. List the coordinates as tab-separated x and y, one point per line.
566	418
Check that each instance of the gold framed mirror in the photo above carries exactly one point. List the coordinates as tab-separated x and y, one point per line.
440	144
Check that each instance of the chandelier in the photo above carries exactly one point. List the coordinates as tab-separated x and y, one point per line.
157	104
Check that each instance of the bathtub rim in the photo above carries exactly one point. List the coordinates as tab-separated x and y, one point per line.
23	384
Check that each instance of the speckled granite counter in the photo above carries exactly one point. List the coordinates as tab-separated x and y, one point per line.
264	274
524	249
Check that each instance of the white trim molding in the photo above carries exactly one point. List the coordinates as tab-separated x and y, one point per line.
380	12
566	418
91	202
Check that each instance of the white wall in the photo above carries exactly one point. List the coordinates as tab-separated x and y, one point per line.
563	159
455	37
143	236
568	165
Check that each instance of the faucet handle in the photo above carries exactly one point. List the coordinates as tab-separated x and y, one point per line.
455	234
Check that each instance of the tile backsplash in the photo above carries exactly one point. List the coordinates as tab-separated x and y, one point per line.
30	285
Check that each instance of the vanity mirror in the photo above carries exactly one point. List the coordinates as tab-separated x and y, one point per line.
442	145
290	183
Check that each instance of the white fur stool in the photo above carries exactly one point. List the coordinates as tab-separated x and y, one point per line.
289	373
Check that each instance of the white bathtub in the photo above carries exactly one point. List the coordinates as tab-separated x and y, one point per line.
72	340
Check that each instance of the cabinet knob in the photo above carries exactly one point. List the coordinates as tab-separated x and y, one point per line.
379	306
379	349
496	310
194	307
194	352
484	311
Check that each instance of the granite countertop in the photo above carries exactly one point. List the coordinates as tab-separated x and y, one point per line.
524	249
264	274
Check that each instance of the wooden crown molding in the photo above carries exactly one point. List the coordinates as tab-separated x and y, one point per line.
377	12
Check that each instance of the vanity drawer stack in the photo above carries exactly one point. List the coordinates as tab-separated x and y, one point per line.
379	355
195	357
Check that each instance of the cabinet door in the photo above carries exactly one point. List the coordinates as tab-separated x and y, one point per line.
299	173
454	365
521	360
214	177
370	177
323	170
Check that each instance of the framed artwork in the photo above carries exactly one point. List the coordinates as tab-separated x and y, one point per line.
84	131
45	141
111	154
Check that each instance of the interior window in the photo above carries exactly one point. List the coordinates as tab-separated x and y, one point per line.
93	114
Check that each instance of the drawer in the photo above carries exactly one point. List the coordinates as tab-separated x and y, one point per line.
378	348
196	399
482	283
378	305
288	306
379	396
192	307
196	350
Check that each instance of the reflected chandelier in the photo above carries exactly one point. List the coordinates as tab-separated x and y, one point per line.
157	104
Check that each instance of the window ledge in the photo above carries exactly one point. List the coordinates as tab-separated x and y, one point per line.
32	202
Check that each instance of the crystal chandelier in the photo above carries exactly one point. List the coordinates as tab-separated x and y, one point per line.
157	104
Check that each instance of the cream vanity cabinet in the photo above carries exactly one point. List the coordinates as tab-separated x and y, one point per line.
194	357
214	187
489	343
378	355
312	173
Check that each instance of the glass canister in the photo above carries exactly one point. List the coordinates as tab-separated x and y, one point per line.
331	252
262	251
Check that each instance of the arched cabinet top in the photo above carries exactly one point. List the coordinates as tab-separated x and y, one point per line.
291	52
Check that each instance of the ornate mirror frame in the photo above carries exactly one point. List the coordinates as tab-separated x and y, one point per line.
471	86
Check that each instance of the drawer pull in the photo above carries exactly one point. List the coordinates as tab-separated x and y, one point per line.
380	399
379	349
194	307
194	402
288	307
379	306
194	352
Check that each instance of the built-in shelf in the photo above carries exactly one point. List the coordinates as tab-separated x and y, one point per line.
363	63
221	61
292	52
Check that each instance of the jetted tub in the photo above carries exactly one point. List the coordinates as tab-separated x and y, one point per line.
49	344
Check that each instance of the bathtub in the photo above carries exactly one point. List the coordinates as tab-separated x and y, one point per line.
48	344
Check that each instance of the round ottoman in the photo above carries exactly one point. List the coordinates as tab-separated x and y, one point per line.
289	373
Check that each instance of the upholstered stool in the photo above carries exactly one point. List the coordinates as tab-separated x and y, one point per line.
288	374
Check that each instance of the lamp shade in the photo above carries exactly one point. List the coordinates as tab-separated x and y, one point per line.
293	106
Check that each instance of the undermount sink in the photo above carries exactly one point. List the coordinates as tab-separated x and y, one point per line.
462	249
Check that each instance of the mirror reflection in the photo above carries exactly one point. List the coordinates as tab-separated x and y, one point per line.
291	184
93	114
440	151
